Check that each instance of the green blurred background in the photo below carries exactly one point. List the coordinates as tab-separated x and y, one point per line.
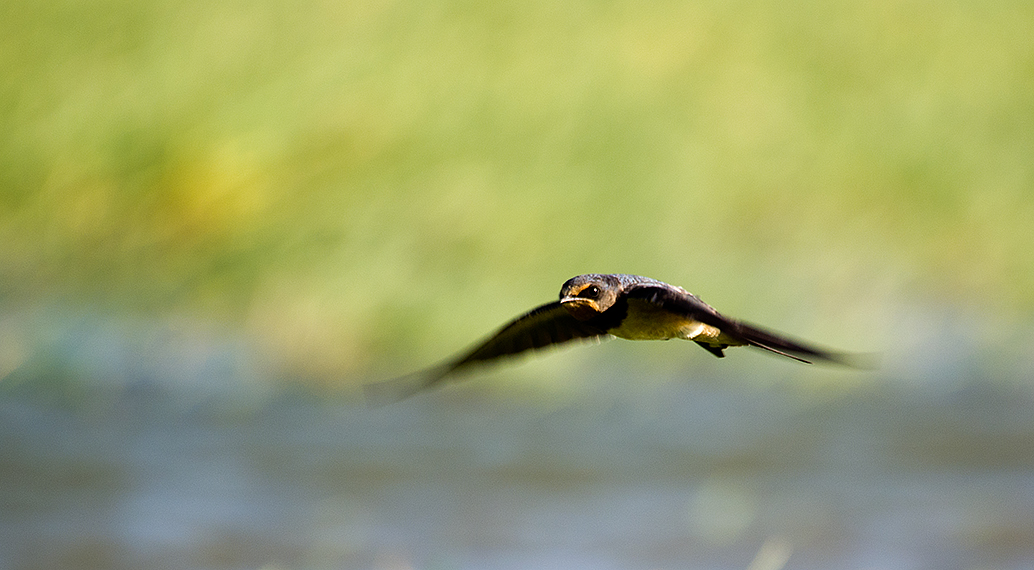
354	183
307	195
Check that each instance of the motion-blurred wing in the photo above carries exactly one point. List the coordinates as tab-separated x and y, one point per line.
544	326
795	349
675	300
547	325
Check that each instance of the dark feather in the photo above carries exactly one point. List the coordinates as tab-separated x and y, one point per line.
797	350
544	326
676	300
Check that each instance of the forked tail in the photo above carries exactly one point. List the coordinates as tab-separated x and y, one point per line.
797	350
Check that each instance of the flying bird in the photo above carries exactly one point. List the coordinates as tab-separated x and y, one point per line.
597	306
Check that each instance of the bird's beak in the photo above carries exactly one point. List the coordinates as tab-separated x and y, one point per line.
580	308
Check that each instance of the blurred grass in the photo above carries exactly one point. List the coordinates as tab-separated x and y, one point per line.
354	183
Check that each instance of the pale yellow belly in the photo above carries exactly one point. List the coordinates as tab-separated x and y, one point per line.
646	321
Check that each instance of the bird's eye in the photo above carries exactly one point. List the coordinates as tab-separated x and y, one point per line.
590	292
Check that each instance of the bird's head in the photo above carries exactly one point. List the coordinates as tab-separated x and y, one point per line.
586	296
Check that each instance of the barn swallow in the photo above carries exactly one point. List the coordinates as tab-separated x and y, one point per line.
597	306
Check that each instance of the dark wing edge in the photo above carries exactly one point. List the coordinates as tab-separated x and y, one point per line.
777	343
543	326
797	350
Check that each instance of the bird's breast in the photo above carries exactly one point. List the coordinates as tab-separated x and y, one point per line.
647	321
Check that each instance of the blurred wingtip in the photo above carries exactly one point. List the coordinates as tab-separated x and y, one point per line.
862	360
856	360
386	392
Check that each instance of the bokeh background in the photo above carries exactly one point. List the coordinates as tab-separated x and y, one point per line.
219	219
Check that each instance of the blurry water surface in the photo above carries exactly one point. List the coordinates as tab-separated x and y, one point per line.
680	473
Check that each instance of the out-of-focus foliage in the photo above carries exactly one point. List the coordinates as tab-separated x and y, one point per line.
350	182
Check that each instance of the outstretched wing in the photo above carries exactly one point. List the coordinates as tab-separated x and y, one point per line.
544	326
678	301
541	327
795	349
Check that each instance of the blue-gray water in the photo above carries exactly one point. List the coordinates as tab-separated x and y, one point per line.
681	475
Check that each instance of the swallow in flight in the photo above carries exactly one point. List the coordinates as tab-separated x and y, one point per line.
597	306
